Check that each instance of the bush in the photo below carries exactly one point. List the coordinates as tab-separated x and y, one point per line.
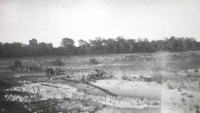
196	107
58	63
17	63
170	86
158	78
179	89
4	83
125	78
146	79
111	76
184	93
186	71
190	96
183	100
188	75
196	70
93	61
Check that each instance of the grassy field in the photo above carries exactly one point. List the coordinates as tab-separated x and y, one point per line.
138	83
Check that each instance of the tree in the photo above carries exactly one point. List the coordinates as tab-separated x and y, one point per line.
131	44
67	42
68	45
112	45
84	47
146	45
32	47
17	49
33	42
45	48
1	50
139	45
120	44
97	45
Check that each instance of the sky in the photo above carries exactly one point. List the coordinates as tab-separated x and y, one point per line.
52	20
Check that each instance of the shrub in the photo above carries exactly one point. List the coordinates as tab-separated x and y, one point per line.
182	83
196	107
186	71
58	63
183	87
4	83
125	78
111	76
194	79
170	86
141	77
184	93
190	96
156	103
158	78
183	100
146	79
93	61
179	89
191	108
188	75
17	63
196	70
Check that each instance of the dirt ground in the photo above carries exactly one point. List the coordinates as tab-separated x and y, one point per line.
140	83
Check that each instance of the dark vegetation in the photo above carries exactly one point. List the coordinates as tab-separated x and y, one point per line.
98	46
196	70
170	86
93	61
12	107
57	63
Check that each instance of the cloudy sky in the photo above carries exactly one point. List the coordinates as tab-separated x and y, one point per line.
52	20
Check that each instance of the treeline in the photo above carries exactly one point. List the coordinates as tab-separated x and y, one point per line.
98	46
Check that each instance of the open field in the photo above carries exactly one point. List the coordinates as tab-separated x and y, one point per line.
135	83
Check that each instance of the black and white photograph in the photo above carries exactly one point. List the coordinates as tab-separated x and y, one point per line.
99	56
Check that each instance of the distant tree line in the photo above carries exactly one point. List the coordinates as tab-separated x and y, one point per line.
98	46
